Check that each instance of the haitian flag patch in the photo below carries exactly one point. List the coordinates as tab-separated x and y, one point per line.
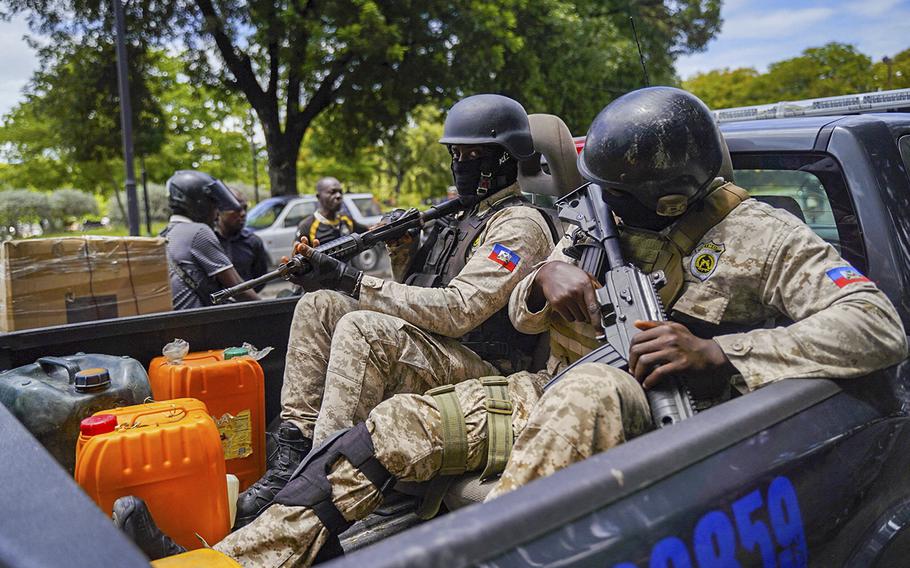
503	256
844	275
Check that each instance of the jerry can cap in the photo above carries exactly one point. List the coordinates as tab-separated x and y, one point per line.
232	352
98	424
90	379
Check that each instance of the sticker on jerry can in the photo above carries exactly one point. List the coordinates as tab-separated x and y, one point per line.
236	435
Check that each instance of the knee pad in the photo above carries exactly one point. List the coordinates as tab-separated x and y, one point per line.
309	485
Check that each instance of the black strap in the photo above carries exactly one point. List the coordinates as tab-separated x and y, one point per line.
311	488
182	275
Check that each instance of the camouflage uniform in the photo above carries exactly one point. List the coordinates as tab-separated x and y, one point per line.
766	264
341	361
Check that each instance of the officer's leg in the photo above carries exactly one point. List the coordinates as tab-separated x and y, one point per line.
315	319
591	410
406	435
374	356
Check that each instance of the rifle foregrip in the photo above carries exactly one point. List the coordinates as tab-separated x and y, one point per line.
669	402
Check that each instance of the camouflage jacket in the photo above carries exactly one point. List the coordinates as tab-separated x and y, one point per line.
779	300
482	287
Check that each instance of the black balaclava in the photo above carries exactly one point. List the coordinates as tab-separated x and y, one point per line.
634	213
476	179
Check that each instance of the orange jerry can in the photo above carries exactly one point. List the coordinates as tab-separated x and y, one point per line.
168	454
232	386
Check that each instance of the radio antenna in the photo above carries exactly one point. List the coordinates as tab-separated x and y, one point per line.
641	56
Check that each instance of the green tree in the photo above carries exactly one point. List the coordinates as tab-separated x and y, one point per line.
726	88
827	71
361	65
580	55
21	206
192	127
66	131
67	205
830	70
412	162
893	72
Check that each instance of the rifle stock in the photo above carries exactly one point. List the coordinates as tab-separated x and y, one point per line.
348	246
628	295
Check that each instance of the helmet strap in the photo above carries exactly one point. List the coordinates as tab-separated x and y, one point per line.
486	181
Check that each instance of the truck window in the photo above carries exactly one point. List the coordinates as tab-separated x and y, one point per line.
812	188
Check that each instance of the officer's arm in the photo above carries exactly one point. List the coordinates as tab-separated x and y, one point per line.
528	316
481	288
845	326
260	261
209	255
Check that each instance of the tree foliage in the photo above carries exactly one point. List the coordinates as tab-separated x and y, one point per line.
21	206
70	205
582	54
67	130
357	68
830	70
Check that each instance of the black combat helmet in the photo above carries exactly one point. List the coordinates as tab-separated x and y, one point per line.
660	145
194	194
490	119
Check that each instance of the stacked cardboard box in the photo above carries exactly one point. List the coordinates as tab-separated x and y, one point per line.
57	281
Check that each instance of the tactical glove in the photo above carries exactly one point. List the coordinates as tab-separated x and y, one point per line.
327	273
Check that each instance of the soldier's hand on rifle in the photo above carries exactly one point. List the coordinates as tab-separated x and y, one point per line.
665	348
407	239
325	272
568	289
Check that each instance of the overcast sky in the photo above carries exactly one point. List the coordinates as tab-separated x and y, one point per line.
754	34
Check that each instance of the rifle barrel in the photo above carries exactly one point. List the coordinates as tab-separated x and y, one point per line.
363	241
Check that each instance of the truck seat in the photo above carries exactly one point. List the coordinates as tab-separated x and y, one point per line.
553	171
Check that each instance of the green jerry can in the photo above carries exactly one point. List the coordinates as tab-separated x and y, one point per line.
51	396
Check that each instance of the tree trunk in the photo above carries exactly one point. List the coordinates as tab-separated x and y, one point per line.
120	202
283	169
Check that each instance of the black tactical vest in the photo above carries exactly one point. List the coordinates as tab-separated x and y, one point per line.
444	254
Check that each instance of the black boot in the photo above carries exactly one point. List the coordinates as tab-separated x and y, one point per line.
131	515
292	448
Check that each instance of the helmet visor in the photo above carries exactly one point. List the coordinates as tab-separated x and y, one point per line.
223	197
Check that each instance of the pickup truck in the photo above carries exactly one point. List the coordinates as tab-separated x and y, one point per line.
802	472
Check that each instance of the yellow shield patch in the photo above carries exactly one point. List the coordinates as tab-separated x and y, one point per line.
704	260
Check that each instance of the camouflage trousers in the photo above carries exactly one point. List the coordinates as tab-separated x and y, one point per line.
342	361
591	410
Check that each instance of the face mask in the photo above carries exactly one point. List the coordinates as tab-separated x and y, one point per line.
502	170
467	178
634	213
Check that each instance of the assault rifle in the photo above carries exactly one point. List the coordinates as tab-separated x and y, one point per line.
627	295
348	246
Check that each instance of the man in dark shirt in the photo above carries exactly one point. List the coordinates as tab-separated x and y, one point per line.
242	246
197	264
327	223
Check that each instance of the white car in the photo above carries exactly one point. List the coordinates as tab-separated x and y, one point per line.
275	220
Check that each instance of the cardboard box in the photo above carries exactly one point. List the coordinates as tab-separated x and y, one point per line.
75	279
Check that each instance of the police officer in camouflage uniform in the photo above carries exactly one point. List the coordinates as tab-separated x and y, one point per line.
677	211
356	339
